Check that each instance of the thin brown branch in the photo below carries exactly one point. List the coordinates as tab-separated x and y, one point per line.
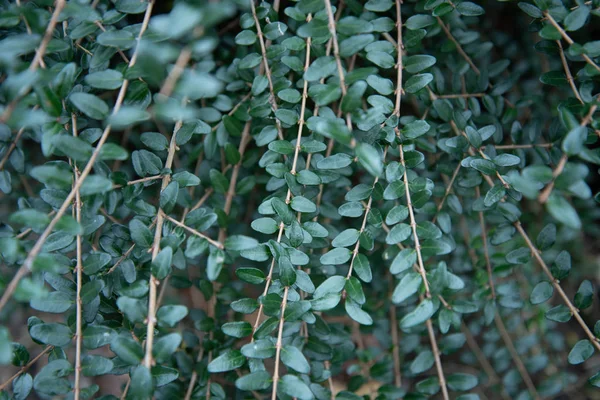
459	48
336	47
176	71
26	367
486	251
543	197
447	192
521	146
38	60
79	282
28	263
153	282
460	95
574	311
279	343
193	231
263	49
515	356
570	79
568	39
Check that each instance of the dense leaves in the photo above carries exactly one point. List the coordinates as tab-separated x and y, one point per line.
308	199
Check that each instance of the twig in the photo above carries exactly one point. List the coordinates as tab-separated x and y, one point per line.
26	367
279	344
563	59
458	46
38	59
79	269
486	252
434	347
263	49
568	39
460	95
515	356
28	263
543	197
223	232
153	282
176	71
395	346
195	232
289	192
574	311
498	319
336	49
447	192
520	146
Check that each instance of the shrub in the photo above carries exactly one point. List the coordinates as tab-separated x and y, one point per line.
298	200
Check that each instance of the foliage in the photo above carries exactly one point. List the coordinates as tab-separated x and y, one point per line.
301	200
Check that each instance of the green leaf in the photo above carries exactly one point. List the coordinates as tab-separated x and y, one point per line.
240	242
287	273
573	143
362	268
251	275
417	82
336	256
418	63
356	313
419	21
302	204
165	346
140	233
494	195
403	261
51	333
580	352
170	315
93	365
141	385
121	39
398	234
484	166
462	382
90	105
74	147
584	296
407	286
259	380
30	218
227	362
469	9
108	79
531	10
419	315
541	292
293	358
161	265
294	387
355	291
370	159
346	238
563	211
6	349
576	19
237	329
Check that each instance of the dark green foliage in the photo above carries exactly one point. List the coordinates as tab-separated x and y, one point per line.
227	200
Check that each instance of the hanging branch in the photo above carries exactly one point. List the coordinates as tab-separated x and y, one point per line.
38	60
543	197
568	39
263	49
28	263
